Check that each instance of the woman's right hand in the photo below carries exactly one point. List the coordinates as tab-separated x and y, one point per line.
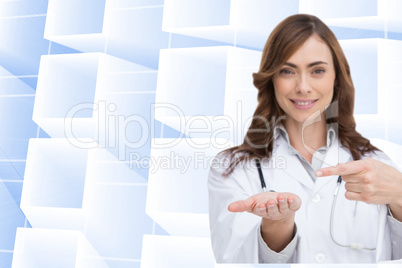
278	213
269	205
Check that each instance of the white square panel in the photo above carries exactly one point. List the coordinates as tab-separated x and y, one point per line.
199	90
177	196
54	182
77	24
241	22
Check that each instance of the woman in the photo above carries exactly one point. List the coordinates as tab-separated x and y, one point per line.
304	120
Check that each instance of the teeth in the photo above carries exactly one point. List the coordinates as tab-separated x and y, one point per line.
303	103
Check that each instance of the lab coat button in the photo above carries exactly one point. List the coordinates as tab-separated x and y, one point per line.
316	198
319	257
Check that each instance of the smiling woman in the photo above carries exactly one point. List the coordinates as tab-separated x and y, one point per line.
305	76
305	87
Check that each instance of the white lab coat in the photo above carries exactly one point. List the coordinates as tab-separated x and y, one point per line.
235	235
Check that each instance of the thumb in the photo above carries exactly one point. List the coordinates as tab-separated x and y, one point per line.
241	206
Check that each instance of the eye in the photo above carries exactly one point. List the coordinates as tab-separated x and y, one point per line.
319	71
285	72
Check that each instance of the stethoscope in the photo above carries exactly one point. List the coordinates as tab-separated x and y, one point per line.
356	246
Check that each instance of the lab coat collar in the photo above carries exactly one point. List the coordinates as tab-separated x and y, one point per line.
281	131
293	168
335	154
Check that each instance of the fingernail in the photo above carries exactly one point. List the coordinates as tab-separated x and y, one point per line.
271	206
290	200
318	173
281	200
258	207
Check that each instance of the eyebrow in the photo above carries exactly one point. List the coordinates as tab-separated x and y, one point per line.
310	65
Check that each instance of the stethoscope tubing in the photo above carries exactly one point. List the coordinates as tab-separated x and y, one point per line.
355	246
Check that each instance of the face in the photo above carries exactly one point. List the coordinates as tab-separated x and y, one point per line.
305	83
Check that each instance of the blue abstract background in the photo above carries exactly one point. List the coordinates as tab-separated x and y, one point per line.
98	202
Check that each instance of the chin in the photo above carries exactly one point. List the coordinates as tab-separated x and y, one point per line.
304	118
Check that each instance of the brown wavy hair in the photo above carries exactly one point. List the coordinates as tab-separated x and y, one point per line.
283	42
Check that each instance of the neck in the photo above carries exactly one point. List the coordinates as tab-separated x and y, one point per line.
307	137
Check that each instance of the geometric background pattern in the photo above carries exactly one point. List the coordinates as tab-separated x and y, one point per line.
111	111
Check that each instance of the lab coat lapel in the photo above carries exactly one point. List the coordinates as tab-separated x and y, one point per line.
293	168
336	154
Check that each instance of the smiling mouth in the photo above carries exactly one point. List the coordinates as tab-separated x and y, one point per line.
303	102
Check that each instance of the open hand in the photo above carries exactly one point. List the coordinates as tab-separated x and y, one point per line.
269	205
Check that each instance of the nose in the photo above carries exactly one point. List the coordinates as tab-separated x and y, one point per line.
303	86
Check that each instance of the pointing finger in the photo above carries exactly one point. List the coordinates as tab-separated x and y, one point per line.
351	178
352	167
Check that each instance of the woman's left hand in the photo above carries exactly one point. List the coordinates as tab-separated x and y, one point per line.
370	181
